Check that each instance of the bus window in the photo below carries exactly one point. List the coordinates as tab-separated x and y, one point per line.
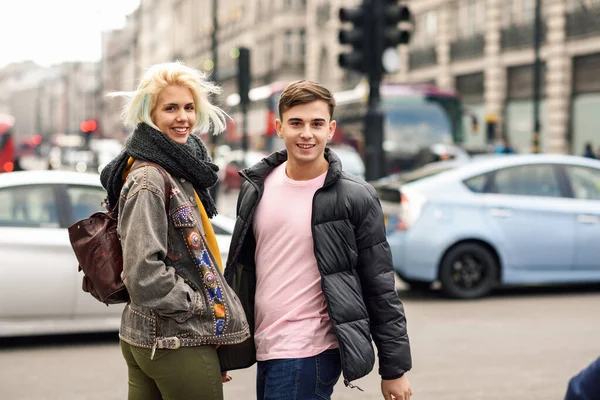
409	128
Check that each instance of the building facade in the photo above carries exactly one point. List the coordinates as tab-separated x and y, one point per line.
120	67
288	40
484	49
50	101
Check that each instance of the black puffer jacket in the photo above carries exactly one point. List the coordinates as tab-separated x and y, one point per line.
355	262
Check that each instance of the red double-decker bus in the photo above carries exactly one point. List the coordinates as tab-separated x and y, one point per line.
7	143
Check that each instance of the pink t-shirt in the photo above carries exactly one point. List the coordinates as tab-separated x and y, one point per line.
290	308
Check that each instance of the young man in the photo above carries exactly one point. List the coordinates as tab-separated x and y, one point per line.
311	265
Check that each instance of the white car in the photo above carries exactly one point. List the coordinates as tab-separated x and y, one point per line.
40	288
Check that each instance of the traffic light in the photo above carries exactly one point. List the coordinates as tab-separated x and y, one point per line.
391	33
88	126
395	13
359	37
379	26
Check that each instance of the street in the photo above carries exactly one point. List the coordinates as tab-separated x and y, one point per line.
516	344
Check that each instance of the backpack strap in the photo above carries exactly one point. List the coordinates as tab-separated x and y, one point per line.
165	176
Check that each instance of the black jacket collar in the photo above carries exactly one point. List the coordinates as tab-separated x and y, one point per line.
259	172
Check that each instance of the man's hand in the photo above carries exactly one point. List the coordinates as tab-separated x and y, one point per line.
398	389
224	377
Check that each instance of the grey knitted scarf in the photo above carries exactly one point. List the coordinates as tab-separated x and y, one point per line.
190	161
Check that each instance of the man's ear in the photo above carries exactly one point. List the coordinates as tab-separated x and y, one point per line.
278	128
332	126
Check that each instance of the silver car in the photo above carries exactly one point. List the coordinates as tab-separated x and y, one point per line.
40	289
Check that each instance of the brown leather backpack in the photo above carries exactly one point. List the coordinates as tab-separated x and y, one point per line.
97	247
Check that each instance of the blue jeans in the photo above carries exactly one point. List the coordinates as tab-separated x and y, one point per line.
586	384
299	378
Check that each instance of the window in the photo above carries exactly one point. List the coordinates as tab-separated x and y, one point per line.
528	10
430	25
582	4
287	44
585	182
85	201
477	183
303	44
28	206
510	13
426	34
470	18
527	180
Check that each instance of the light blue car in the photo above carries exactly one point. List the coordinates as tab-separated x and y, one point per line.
494	220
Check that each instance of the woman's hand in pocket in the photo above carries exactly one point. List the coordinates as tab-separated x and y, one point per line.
224	377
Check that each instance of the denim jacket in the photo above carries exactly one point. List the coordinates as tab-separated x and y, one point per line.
178	294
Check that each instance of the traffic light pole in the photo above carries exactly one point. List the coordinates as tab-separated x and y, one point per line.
244	79
537	73
244	127
374	154
214	191
215	56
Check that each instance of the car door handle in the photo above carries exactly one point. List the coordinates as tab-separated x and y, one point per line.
500	213
588	219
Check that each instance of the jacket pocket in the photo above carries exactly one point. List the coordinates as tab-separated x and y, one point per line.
138	326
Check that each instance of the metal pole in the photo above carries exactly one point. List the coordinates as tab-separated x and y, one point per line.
214	40
374	155
244	127
537	74
215	57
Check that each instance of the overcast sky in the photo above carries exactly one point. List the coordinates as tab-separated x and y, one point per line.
52	31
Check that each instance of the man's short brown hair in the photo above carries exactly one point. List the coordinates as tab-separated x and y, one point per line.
304	92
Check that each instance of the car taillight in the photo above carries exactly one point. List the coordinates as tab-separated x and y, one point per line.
411	204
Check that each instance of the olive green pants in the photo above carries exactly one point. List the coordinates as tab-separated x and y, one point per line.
187	373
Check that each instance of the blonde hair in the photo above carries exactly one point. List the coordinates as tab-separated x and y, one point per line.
141	102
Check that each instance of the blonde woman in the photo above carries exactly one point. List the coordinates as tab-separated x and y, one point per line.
181	308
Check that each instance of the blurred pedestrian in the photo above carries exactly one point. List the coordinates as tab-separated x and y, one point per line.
589	152
310	262
17	164
586	384
181	308
504	147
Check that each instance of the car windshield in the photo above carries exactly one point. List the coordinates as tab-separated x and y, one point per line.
413	124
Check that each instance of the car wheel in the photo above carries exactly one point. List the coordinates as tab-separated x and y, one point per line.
468	271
